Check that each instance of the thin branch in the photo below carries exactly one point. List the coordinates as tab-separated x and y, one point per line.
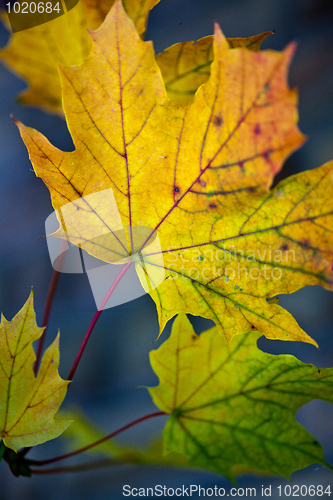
95	318
41	463
46	315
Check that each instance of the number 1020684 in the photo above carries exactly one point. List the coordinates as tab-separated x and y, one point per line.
303	490
33	8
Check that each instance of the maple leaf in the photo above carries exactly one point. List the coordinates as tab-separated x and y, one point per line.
186	66
197	175
34	53
27	404
239	408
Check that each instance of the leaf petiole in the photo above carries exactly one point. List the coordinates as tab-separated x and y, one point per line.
95	318
41	463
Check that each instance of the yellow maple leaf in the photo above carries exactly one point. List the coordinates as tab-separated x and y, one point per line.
34	53
28	403
197	175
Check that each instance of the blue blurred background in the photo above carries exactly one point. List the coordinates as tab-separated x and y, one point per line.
116	361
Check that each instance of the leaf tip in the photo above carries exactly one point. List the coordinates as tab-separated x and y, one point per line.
313	342
158	336
30	302
220	40
118	7
217	28
218	32
17	122
290	50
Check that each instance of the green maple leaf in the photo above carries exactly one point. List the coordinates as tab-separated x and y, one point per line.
238	406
